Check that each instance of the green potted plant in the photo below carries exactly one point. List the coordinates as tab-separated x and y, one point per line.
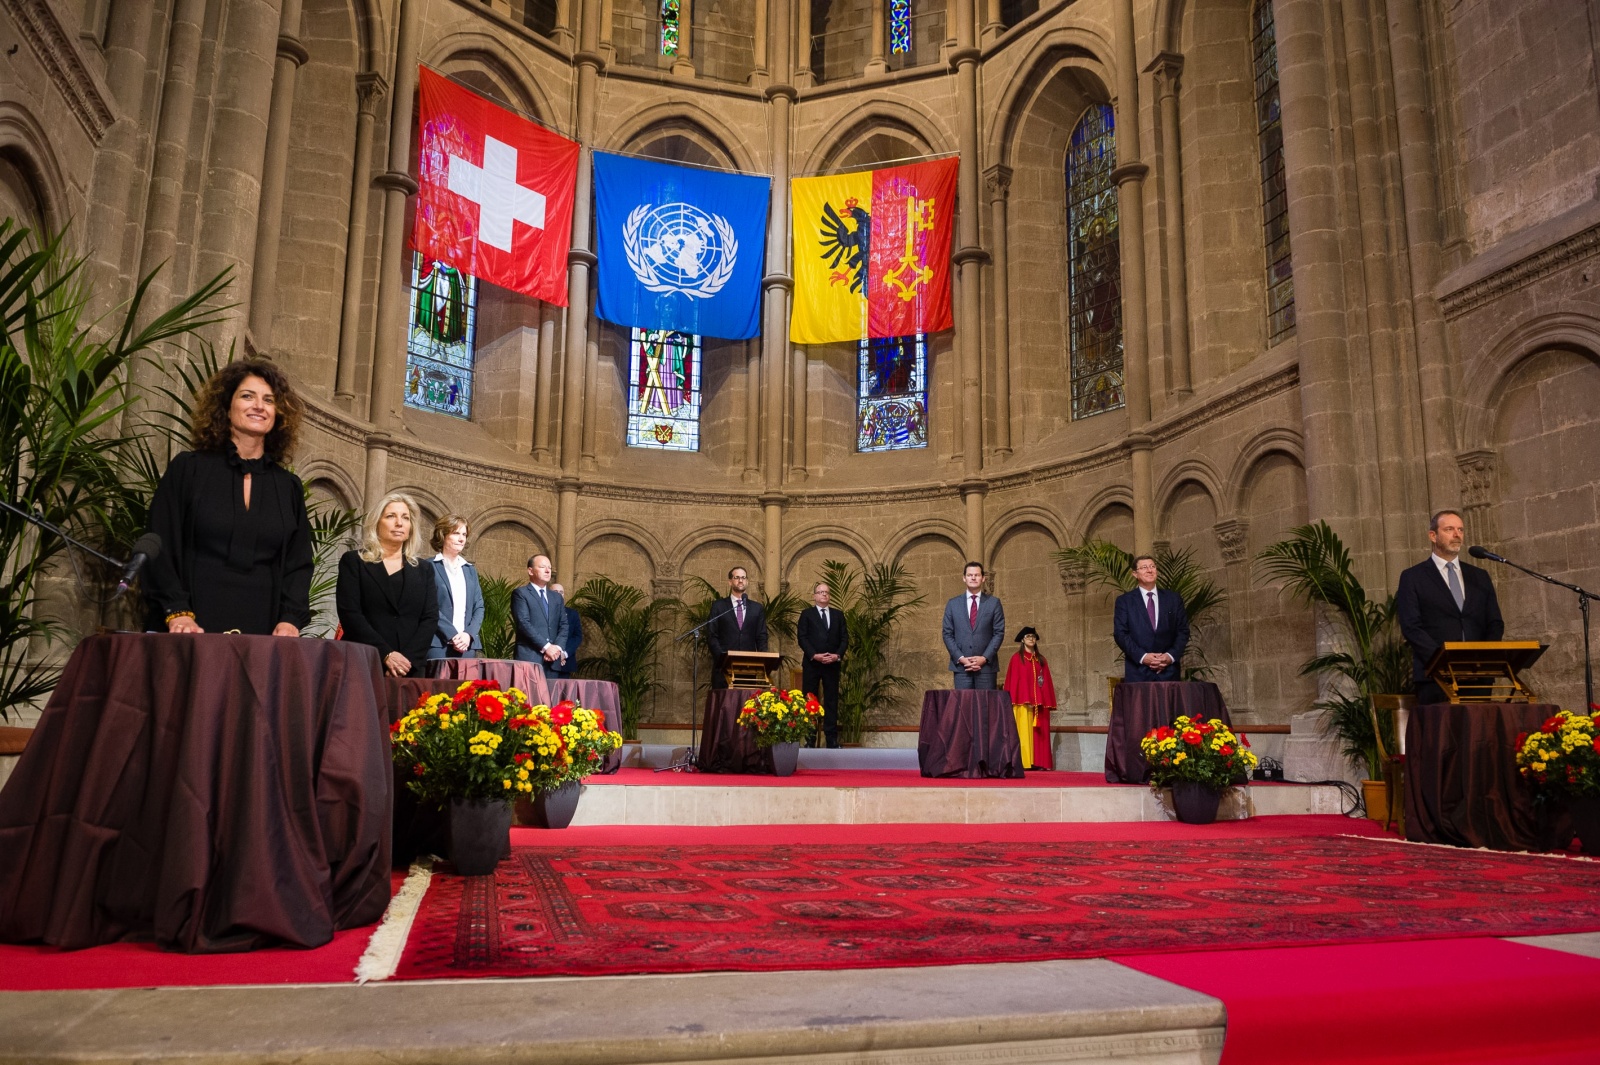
782	720
1372	669
628	626
1562	761
1199	760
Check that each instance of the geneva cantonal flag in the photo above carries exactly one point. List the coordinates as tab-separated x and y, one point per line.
872	253
679	247
494	191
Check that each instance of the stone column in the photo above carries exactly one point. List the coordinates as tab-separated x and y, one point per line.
804	76
370	88
876	62
777	286
1129	176
994	24
1476	474
386	392
758	72
591	391
1166	67
542	436
563	35
1076	702
1233	540
968	262
292	55
752	412
998	181
683	62
797	415
580	261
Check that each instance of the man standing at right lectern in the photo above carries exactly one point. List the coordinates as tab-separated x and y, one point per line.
737	624
1444	600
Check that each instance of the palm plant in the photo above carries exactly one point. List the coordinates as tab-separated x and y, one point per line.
499	631
873	601
629	627
1104	563
62	454
1315	567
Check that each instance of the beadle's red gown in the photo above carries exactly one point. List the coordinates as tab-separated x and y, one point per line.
1033	696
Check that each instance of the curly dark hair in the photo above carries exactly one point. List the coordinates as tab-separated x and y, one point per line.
212	430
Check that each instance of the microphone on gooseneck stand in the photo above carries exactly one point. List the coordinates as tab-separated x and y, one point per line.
1478	552
145	548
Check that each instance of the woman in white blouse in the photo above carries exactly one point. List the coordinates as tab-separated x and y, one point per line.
460	596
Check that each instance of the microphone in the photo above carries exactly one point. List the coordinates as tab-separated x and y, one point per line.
1478	552
145	548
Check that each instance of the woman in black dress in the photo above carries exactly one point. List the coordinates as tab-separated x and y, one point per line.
236	544
385	598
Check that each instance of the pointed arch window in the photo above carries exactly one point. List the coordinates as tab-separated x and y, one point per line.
1274	185
664	390
670	12
444	322
892	411
1094	266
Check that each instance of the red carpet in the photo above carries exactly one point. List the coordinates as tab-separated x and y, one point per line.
851	778
1429	1002
590	910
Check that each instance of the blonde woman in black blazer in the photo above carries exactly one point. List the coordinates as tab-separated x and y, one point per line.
386	598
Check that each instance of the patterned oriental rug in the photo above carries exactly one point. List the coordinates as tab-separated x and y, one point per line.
599	910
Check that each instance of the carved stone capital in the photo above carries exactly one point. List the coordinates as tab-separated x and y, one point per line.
666	587
1074	577
395	181
1233	538
1130	172
371	87
997	179
1477	470
1166	67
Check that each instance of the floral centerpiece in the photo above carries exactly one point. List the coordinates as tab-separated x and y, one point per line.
777	716
1199	760
1563	757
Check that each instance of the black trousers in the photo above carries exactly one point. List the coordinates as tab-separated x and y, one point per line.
823	682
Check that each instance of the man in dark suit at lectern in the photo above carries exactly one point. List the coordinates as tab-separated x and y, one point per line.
1151	626
823	639
737	624
1444	599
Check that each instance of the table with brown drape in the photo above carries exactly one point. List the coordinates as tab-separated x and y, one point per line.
506	672
212	792
725	747
968	733
1462	783
1139	706
601	695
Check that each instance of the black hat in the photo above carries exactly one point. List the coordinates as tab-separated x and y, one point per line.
1027	630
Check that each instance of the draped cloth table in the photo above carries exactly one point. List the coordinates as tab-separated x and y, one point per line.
213	793
1462	784
505	672
724	746
601	695
968	733
1139	706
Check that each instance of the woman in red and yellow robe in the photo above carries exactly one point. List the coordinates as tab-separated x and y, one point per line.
1033	696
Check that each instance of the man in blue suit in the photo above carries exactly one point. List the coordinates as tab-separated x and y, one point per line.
974	626
540	615
563	669
1151	627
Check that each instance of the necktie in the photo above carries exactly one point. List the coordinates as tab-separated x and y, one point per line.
545	599
972	615
824	617
738	611
1455	584
1150	607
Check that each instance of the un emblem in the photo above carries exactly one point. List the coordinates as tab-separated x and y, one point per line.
676	247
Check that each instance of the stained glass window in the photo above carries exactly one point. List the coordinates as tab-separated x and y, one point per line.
1094	266
1274	187
899	26
892	412
444	312
664	390
669	27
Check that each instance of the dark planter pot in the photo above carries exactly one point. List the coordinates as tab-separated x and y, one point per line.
1195	803
1585	810
480	835
554	809
785	757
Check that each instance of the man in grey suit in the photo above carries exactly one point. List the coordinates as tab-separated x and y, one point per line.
974	627
540	614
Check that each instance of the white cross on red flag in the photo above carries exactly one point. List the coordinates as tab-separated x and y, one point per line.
494	196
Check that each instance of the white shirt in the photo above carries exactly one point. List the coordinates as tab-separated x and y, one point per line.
1444	575
1145	599
455	573
543	592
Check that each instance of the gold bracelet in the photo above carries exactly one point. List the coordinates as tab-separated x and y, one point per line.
179	614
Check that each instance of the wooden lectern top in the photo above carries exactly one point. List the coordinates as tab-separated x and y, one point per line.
1484	671
749	669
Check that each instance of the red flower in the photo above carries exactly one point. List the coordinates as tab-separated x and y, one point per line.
484	685
522	756
1243	739
1192	737
561	714
593	757
418	769
394	727
1597	744
1205	728
1522	737
1551	724
1225	749
491	708
519	722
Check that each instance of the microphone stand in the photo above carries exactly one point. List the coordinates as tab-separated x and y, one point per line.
34	519
686	763
1583	608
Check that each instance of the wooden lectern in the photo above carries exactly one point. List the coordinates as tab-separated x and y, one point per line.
749	669
1485	672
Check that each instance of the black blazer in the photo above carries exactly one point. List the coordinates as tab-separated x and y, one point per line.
1131	629
724	634
372	614
1429	616
818	639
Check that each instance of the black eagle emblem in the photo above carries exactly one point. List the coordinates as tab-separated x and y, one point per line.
842	243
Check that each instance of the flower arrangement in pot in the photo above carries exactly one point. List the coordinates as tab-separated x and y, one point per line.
473	752
569	742
1198	760
1562	760
782	720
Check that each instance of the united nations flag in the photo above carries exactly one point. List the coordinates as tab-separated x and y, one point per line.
679	247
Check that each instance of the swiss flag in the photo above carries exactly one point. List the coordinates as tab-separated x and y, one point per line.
495	191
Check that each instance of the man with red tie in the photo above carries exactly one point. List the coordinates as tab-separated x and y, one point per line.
1151	627
974	627
737	624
